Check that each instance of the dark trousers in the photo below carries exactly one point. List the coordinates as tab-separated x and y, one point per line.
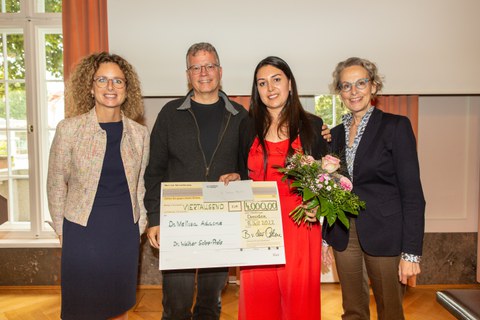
354	268
179	288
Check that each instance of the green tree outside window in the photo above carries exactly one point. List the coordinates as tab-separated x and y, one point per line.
330	108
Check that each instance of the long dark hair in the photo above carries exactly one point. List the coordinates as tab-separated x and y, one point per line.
293	116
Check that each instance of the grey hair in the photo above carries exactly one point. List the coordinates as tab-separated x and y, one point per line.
371	68
202	46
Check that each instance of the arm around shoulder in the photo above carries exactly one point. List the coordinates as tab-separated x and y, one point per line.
320	146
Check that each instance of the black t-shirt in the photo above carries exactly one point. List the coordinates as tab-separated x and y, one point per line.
209	118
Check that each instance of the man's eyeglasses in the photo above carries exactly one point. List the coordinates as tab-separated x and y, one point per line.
347	86
102	82
197	69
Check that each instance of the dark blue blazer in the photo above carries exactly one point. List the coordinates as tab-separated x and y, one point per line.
386	176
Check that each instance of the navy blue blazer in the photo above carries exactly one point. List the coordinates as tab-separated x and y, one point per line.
386	176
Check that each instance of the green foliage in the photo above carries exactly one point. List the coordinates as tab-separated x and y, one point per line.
54	55
3	148
16	68
12	6
15	56
323	108
53	6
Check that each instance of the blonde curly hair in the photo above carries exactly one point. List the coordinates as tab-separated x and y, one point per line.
78	96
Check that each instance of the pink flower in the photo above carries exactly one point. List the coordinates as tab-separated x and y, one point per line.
319	181
330	163
324	177
346	184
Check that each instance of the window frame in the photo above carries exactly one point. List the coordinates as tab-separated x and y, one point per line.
34	25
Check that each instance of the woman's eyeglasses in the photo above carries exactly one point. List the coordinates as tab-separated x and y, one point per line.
359	84
102	82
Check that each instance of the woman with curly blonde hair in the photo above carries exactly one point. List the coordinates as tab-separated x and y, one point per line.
95	188
78	94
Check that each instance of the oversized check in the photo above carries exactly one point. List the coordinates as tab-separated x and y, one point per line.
207	224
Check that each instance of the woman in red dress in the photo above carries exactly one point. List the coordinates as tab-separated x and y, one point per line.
277	127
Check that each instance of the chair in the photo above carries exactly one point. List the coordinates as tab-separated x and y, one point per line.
464	304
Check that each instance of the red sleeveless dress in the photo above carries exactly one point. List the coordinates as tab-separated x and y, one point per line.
290	291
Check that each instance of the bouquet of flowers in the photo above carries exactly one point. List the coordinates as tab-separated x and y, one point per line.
322	189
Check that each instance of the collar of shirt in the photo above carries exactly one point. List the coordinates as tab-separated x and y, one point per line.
351	151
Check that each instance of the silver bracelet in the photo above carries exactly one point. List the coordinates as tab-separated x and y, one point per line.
324	243
411	257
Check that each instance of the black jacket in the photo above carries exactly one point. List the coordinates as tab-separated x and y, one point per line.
176	154
248	134
386	176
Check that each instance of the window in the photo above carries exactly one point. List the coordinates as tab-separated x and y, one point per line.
10	6
31	105
330	108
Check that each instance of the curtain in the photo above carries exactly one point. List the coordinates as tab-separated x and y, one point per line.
85	30
406	106
402	105
243	100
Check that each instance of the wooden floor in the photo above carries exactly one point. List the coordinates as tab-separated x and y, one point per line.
43	303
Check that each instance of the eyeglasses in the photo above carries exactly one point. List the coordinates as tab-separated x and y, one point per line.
347	86
102	82
197	69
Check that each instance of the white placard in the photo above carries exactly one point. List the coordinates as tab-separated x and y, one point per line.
237	230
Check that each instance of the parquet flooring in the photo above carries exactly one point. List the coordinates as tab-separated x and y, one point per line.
43	303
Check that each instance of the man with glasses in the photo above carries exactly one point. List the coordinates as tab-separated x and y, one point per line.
195	138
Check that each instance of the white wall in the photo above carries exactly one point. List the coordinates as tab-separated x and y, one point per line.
422	47
449	153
